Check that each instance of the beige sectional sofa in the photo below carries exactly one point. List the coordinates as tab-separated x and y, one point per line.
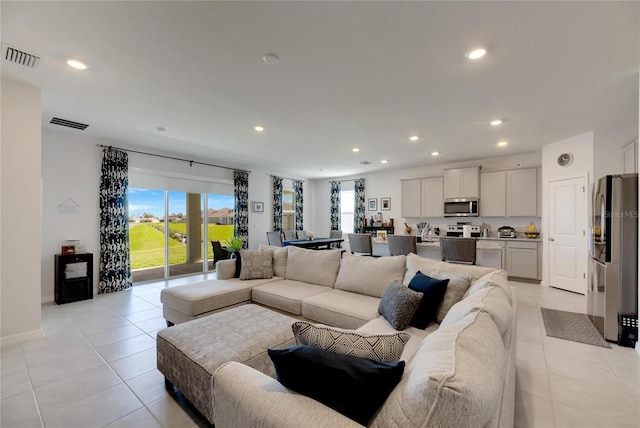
460	372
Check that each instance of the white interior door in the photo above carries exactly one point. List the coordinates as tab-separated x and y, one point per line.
567	235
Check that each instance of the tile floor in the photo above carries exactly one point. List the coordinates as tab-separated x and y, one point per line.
96	367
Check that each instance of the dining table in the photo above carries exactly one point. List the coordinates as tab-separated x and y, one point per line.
315	243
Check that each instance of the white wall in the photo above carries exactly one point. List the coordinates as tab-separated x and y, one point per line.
70	169
20	190
582	148
607	148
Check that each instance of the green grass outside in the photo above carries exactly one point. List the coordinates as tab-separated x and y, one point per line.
147	243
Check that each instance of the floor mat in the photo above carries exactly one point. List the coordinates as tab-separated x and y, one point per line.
572	326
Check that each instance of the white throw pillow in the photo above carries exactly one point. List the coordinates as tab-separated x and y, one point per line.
279	258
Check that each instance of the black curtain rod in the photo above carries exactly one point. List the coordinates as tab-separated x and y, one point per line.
191	162
286	178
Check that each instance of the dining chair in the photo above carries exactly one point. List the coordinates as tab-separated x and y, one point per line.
336	234
274	238
302	234
461	250
360	243
219	253
401	245
289	234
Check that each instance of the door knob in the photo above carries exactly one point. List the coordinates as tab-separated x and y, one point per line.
551	239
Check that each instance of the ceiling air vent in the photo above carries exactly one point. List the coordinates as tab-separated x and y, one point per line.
68	123
365	163
20	57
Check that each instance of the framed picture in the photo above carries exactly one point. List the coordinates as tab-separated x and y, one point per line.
373	204
258	207
381	234
385	204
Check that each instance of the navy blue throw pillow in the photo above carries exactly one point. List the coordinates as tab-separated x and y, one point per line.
434	290
355	387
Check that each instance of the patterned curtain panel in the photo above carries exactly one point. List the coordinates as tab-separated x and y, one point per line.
335	205
359	208
297	187
115	261
277	204
241	206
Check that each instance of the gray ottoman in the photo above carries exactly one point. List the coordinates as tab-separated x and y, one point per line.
189	353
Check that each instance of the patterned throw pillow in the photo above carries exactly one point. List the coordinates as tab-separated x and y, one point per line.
256	264
455	290
374	346
398	305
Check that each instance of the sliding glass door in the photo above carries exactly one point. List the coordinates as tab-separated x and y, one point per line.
170	235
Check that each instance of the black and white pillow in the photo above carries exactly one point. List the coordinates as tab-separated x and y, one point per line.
374	346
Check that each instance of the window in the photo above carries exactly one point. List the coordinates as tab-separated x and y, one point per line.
347	208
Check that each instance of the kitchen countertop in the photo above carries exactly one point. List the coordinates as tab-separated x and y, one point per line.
482	242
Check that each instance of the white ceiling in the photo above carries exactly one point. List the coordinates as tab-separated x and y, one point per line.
365	74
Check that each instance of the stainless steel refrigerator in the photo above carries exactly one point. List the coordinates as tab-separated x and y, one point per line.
614	252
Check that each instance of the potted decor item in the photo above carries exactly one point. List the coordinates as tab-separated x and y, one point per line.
234	245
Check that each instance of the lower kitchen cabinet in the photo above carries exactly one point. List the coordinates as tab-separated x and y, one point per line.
522	260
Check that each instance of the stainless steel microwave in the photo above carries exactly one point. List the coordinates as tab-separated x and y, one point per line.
461	207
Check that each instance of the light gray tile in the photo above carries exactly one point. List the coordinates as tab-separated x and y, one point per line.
532	411
114	335
532	381
124	348
598	374
141	418
74	388
96	326
171	414
609	403
15	383
530	355
148	314
579	351
60	368
20	411
568	417
149	386
136	364
154	324
96	410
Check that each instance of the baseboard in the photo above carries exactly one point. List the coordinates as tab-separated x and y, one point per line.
22	337
47	299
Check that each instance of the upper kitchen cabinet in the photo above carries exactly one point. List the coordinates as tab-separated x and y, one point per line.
422	197
510	193
461	182
522	193
493	194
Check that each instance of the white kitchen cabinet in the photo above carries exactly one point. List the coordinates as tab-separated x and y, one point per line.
522	192
493	194
631	157
522	259
422	198
432	197
410	204
461	182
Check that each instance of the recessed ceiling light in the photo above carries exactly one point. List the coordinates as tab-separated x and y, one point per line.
414	138
477	53
435	153
355	149
77	64
270	58
384	161
496	122
259	128
502	143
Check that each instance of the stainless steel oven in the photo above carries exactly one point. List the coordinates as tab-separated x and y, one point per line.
461	207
